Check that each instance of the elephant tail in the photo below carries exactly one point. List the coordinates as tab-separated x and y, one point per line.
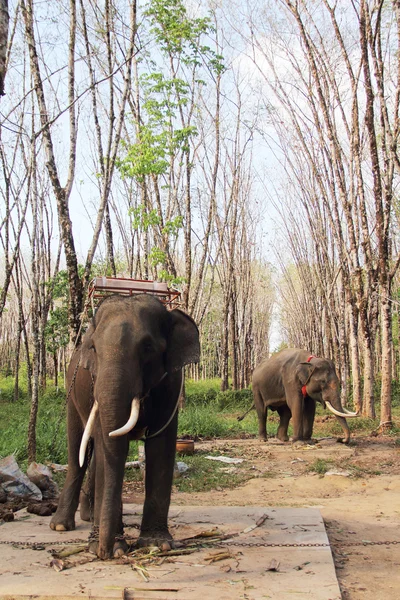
246	413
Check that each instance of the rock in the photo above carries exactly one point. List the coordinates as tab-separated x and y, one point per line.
15	483
3	495
6	515
41	476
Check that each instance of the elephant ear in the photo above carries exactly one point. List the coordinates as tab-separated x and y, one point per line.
183	343
88	354
304	371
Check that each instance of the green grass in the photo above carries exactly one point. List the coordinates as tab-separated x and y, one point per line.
203	474
208	414
320	466
50	430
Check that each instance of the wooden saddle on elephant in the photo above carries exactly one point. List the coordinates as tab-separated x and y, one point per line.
100	287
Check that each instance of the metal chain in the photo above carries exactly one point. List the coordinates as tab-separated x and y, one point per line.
269	545
92	535
63	409
42	545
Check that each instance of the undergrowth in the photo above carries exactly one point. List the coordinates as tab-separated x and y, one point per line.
208	414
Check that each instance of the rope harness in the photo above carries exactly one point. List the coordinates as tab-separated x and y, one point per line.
304	387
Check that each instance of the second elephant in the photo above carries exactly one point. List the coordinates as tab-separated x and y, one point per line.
291	382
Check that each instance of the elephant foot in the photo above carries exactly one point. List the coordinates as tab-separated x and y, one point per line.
85	510
120	548
282	437
59	523
160	539
299	442
262	438
343	440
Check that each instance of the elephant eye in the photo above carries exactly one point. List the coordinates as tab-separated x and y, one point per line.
147	345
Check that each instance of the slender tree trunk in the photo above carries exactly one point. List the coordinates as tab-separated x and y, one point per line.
355	357
386	390
4	20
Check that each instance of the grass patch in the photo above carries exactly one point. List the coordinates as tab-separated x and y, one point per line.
205	475
51	433
320	466
207	422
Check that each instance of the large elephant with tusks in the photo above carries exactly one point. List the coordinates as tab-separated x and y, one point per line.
292	382
124	384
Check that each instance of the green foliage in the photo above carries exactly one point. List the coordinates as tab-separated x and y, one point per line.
148	156
172	227
164	132
143	219
7	389
56	331
179	35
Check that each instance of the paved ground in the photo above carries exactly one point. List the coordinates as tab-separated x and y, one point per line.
244	572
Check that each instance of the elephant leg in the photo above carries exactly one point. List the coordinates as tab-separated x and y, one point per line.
308	418
297	410
262	413
158	484
110	467
86	500
64	517
284	416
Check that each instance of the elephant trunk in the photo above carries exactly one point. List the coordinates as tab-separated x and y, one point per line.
331	398
345	428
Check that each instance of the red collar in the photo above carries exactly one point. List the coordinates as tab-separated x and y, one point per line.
304	389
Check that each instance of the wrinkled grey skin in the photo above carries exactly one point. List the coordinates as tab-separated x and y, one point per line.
131	343
277	384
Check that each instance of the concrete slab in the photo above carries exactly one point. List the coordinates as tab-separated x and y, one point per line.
302	572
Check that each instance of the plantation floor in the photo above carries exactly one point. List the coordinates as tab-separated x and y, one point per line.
360	504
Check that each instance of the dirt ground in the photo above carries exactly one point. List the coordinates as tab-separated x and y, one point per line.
359	501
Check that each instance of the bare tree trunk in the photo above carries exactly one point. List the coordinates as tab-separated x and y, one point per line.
61	193
4	20
386	391
34	316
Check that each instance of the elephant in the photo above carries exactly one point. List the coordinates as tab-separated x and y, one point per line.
291	382
124	383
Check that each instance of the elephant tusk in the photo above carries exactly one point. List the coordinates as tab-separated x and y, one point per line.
340	414
87	433
351	414
131	422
